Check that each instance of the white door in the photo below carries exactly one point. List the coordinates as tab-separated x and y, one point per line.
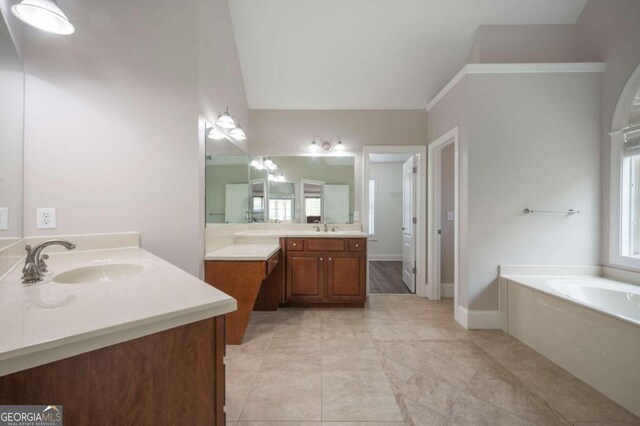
236	203
408	225
336	204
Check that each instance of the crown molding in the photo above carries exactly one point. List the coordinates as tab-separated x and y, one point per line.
524	68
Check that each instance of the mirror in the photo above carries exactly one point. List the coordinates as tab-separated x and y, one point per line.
302	189
11	138
227	183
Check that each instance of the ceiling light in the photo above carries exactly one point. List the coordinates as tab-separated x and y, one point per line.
225	120
238	134
216	134
44	15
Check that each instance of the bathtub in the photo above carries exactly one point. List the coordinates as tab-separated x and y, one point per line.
587	320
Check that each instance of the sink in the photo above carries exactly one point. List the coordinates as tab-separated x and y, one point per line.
99	273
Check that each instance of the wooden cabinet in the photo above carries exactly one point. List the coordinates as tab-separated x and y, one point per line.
305	276
326	271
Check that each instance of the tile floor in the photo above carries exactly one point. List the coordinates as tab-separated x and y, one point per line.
401	361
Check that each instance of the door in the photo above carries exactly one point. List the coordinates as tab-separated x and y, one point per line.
305	276
346	277
236	203
336	204
408	225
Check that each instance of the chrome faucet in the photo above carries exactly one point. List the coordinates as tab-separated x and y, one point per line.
34	264
325	226
317	228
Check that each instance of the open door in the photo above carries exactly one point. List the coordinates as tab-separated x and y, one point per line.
236	203
409	225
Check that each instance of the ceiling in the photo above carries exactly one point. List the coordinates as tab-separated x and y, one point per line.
367	54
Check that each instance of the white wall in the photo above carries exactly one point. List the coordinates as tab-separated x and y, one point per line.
388	246
529	140
534	142
289	132
112	136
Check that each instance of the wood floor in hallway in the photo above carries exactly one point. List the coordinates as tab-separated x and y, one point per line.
385	277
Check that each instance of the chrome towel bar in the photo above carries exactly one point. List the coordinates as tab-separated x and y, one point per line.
569	212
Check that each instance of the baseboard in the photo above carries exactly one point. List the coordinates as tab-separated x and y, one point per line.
385	257
478	319
447	290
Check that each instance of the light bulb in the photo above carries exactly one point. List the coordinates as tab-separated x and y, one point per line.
238	134
44	15
226	121
216	134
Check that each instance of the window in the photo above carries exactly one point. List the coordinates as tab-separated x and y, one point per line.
372	209
280	209
313	206
624	217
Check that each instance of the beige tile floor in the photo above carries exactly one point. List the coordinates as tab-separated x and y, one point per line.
402	360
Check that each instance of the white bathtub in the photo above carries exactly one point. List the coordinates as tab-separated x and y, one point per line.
587	324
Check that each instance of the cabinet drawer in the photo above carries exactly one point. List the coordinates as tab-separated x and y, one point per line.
295	244
325	244
357	245
273	262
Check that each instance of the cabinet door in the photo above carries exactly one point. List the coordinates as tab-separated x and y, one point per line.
305	276
346	279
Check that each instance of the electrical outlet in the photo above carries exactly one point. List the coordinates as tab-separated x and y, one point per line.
4	218
46	218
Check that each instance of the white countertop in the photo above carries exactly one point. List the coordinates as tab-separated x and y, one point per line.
48	321
239	252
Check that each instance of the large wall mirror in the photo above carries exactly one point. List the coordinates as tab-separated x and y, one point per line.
302	189
278	189
11	138
227	183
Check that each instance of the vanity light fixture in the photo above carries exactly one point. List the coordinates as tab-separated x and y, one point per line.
216	134
44	15
326	145
269	164
313	147
256	165
225	120
238	133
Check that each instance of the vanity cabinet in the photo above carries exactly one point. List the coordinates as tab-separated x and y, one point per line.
326	271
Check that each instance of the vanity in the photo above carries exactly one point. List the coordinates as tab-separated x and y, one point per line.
114	334
280	232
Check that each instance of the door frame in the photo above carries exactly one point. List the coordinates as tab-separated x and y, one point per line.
303	210
434	195
420	151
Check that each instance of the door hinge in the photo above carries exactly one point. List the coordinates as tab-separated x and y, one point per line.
415	169
439	231
415	220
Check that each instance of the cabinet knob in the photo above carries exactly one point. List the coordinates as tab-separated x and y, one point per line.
329	259
357	245
321	259
295	244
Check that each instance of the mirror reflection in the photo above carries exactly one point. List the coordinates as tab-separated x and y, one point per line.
279	189
11	137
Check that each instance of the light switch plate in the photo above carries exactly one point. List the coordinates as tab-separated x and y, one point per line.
4	218
46	218
450	216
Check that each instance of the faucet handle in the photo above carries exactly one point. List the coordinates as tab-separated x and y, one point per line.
28	248
42	265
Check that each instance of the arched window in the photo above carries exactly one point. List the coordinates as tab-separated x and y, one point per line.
624	222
